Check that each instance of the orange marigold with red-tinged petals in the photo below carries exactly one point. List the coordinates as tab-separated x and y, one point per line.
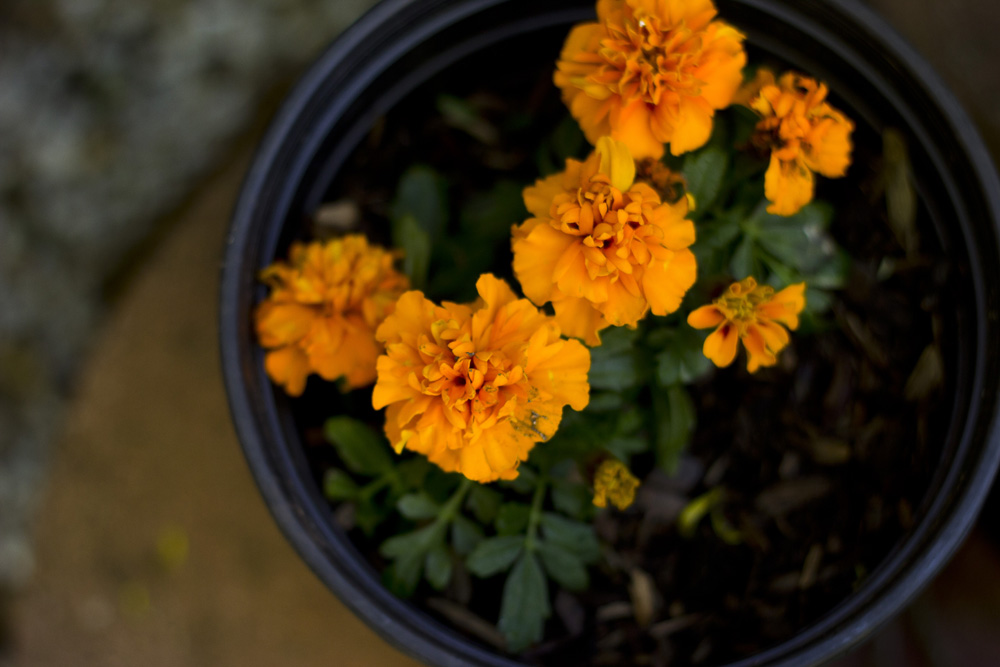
651	72
603	247
475	387
324	306
753	314
804	134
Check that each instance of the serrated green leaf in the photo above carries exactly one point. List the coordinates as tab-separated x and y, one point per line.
570	498
526	477
675	420
494	555
624	447
605	401
417	541
437	567
415	242
422	194
574	536
403	575
512	518
742	264
417	506
680	360
484	503
615	364
563	566
362	450
338	485
465	535
525	604
705	171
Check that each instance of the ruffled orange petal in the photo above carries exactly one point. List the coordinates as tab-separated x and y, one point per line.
788	186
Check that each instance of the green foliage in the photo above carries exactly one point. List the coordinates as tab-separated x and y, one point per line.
338	485
705	172
574	536
679	360
675	418
415	242
512	518
563	566
525	604
419	215
362	450
617	363
565	141
495	554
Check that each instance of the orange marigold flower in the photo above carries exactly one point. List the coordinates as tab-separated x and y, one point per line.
651	72
324	307
804	134
754	314
613	481
474	387
601	247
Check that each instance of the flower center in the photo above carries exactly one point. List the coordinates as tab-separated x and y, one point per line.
473	385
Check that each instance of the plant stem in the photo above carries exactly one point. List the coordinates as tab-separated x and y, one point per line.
536	513
450	510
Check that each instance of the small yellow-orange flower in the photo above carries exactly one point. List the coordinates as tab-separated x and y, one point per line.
474	387
754	314
804	134
324	307
603	248
615	483
651	72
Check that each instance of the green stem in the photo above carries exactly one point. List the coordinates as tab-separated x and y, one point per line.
536	514
450	510
373	487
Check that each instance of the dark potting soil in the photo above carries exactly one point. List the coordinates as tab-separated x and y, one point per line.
825	459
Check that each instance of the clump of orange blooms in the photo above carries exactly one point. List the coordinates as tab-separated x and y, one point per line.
753	314
474	387
601	246
803	133
323	309
651	72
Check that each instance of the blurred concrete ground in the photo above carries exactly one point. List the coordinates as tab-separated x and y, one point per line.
153	546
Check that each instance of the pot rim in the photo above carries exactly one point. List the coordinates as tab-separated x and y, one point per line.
303	515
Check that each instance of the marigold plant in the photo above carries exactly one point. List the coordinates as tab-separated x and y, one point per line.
325	304
601	246
753	314
492	476
651	72
803	134
474	387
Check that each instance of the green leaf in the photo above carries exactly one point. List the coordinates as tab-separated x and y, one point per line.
415	242
417	506
338	485
462	115
484	503
413	472
742	263
680	360
704	171
417	541
465	535
494	555
525	604
615	364
567	140
403	575
570	498
422	194
576	537
437	567
368	517
624	447
526	477
563	566
363	451
605	401
512	518
675	420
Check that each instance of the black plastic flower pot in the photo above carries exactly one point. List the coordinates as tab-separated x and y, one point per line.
400	45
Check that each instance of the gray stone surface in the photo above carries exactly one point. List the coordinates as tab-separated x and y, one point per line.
110	112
